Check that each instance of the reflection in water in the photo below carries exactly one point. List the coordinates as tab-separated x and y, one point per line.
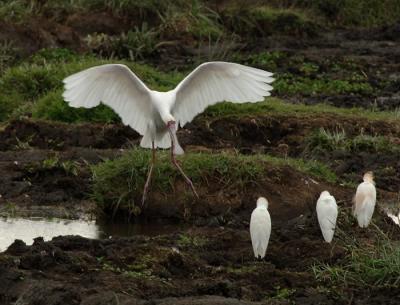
27	229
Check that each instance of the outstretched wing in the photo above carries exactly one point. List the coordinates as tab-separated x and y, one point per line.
114	85
215	82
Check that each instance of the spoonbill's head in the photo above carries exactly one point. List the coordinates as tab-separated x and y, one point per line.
168	118
369	177
262	202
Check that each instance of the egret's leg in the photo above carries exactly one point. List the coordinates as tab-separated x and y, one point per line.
146	186
175	162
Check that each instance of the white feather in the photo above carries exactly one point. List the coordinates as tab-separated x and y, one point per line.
364	203
215	82
327	212
260	228
116	86
148	111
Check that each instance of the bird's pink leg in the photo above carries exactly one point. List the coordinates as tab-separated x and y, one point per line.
146	186
175	162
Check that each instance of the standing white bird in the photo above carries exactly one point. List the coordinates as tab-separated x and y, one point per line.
260	228
327	212
155	114
364	200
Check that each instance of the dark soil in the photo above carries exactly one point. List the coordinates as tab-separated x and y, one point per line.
28	144
202	265
45	171
210	262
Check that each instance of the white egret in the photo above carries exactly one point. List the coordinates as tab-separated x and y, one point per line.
260	227
364	200
327	212
155	114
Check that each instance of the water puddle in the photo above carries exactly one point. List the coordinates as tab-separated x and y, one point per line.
27	229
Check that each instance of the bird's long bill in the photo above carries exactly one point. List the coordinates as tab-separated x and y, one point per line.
177	149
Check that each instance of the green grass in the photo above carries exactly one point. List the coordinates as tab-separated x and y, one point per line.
36	87
187	241
53	107
40	83
288	84
367	13
277	106
117	182
325	141
373	264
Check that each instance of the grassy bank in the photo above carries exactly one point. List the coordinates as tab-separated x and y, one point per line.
117	182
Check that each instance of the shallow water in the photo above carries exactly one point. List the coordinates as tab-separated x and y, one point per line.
26	229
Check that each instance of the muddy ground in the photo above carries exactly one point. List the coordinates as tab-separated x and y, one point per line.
48	164
209	262
45	171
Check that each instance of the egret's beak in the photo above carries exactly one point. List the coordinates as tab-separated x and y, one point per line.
171	125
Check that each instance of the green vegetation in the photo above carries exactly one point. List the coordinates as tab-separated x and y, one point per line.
359	13
374	265
277	106
135	45
7	54
40	87
54	163
116	183
284	293
53	107
324	141
39	84
186	241
288	84
243	269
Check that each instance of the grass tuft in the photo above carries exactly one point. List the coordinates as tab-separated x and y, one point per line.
117	182
368	264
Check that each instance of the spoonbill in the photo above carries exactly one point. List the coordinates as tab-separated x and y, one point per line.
260	227
364	200
155	115
327	212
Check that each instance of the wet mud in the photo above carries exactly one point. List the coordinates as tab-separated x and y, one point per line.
209	261
45	171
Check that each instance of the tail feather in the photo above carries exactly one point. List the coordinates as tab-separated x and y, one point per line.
146	141
259	251
162	140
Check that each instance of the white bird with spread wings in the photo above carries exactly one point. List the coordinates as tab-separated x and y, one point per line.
155	115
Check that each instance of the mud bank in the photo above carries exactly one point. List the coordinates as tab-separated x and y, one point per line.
200	265
46	166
